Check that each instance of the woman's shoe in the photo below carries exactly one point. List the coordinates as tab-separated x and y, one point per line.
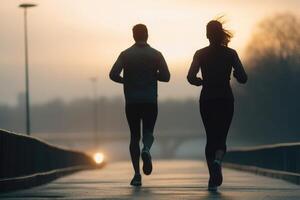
136	180
217	177
212	187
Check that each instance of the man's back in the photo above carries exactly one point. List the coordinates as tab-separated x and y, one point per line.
142	67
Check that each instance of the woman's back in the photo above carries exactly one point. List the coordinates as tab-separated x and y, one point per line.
215	66
216	63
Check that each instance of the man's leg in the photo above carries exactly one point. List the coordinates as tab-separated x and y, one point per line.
149	119
134	123
149	115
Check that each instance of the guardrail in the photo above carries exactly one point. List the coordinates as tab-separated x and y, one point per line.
278	160
27	158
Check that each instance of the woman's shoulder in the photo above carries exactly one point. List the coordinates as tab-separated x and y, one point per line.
201	51
208	50
230	50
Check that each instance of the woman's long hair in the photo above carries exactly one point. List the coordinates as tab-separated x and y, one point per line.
217	34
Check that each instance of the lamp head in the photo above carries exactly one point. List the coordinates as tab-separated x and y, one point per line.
27	5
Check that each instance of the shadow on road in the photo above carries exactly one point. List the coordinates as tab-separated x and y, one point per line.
215	195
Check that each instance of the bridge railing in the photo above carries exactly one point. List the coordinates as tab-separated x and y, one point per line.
24	156
278	160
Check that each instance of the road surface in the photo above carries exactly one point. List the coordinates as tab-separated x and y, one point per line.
171	180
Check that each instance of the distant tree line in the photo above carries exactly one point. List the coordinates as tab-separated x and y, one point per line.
269	103
78	116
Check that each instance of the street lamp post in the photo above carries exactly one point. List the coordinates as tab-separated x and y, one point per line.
25	6
94	81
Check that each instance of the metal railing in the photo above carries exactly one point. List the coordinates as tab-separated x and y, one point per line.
22	155
282	157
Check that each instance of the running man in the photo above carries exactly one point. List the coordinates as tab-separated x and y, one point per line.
142	67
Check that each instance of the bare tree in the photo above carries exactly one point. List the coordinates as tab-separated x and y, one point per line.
276	38
271	104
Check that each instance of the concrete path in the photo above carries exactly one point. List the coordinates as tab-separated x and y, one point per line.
171	180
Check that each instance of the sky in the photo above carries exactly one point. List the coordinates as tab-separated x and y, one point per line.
71	41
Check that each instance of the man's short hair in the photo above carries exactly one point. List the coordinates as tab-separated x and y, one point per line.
140	32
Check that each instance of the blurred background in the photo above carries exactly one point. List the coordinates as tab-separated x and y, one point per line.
73	44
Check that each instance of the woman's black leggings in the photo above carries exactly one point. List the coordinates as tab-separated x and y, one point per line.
138	114
216	116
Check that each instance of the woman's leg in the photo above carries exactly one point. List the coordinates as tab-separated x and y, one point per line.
205	111
226	109
216	116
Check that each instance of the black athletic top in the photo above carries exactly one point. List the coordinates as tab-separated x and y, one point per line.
216	63
142	67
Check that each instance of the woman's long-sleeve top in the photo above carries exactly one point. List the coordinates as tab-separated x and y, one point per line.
216	63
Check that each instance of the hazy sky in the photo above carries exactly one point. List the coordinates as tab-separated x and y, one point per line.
73	40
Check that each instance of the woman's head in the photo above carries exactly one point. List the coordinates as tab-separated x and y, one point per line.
217	34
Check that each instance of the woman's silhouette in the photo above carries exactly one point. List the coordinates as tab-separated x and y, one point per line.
216	62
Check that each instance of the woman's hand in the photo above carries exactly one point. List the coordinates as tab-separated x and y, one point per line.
195	81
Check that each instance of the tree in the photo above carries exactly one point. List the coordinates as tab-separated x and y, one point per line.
271	104
276	37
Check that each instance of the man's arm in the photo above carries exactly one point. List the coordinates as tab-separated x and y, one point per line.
163	73
193	71
116	70
238	72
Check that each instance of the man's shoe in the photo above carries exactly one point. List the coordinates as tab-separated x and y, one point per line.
136	180
212	187
147	162
217	177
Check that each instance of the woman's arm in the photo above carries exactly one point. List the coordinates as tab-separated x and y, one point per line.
193	71
239	71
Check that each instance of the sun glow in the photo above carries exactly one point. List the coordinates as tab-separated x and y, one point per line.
98	158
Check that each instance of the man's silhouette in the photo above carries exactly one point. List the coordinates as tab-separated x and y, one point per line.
142	67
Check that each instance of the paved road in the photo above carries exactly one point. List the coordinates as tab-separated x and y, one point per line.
171	180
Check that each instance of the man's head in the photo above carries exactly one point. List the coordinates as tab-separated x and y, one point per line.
140	33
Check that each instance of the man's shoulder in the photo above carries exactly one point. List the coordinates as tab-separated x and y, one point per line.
128	49
150	50
155	51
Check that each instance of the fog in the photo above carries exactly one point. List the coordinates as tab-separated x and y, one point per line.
66	53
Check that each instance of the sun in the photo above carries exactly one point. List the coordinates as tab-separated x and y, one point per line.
98	158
